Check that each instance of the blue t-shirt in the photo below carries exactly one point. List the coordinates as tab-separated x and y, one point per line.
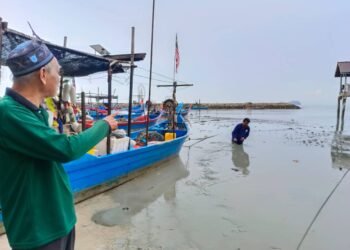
239	132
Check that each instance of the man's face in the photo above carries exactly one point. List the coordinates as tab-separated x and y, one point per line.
53	78
245	124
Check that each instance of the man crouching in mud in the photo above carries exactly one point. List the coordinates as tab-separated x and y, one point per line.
35	193
241	132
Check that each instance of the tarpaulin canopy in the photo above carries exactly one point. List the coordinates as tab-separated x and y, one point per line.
73	62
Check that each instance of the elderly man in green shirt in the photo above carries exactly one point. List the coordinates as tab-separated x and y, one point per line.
35	194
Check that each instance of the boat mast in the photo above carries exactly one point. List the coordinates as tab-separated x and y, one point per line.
131	80
174	65
150	75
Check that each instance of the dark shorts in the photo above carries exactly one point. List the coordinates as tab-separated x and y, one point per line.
64	243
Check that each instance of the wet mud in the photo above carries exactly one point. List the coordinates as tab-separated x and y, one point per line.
216	195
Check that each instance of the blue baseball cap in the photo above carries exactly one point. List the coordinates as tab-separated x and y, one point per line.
28	57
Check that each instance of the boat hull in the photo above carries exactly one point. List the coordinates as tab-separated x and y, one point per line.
85	174
92	175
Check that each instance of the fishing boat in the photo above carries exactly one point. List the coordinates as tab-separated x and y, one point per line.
199	106
137	123
98	113
140	122
91	174
196	107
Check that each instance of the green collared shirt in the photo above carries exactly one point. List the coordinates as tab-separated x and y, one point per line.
35	194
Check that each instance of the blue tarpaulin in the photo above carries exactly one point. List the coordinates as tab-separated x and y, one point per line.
73	62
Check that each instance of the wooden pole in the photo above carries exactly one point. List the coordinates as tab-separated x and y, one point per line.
338	113
61	81
83	112
175	60
1	32
344	87
109	111
175	104
150	76
339	103
3	28
343	114
131	80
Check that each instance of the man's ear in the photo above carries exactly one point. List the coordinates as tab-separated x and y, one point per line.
43	75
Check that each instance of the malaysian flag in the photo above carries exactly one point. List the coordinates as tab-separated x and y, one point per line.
177	55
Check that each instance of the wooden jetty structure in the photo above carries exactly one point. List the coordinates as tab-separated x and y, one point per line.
342	71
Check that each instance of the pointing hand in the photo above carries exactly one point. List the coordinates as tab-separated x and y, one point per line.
113	124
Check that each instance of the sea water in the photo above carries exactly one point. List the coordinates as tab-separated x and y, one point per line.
215	195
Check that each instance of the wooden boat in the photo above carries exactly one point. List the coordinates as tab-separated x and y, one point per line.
90	171
91	175
139	122
122	114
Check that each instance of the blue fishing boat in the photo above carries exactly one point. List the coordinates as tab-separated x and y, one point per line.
194	107
122	114
89	172
140	122
91	175
199	106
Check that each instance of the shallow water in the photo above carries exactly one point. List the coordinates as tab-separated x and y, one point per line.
222	196
215	195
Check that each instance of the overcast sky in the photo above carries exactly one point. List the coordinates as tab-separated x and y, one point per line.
233	51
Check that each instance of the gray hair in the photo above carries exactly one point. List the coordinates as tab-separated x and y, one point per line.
28	77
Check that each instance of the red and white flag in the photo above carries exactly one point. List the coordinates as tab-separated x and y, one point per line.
177	55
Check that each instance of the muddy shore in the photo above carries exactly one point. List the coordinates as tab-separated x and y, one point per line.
215	195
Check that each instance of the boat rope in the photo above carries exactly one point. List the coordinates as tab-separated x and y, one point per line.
320	209
189	148
201	140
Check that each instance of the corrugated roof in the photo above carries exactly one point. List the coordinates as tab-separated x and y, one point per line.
343	69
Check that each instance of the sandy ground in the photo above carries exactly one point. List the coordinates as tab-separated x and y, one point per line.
263	195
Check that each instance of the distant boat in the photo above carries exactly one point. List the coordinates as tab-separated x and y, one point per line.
199	106
296	103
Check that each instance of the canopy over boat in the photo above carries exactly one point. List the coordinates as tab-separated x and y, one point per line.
74	63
